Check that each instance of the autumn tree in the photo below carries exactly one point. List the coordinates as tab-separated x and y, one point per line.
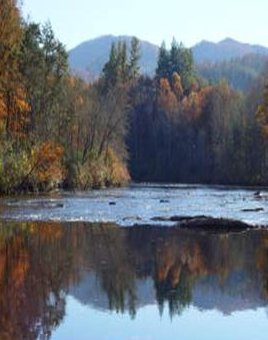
167	99
177	86
10	38
13	106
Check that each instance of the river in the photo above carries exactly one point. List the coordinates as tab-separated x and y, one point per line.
95	265
139	203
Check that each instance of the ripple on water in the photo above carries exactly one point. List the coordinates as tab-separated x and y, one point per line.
143	201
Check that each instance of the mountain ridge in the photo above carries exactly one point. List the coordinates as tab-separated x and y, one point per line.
88	58
224	50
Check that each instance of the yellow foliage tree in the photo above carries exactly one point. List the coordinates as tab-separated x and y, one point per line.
177	86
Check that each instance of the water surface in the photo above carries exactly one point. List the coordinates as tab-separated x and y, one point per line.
95	266
101	281
140	203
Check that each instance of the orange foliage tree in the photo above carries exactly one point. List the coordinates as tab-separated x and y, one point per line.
167	99
47	162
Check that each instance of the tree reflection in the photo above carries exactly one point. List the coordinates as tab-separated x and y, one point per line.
41	263
32	299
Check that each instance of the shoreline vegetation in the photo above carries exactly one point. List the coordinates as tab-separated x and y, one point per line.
58	131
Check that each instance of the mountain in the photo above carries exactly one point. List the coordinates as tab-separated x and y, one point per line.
226	49
88	58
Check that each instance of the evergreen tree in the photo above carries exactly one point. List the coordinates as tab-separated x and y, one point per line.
162	70
122	62
134	58
120	69
110	68
178	60
43	65
175	61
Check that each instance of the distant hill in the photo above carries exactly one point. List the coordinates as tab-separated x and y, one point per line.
226	49
88	59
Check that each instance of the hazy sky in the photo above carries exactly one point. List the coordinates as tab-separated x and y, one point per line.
189	21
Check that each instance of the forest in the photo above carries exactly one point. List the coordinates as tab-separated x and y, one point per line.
58	131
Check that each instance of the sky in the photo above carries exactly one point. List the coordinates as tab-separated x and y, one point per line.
189	21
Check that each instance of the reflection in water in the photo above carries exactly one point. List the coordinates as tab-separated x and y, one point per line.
123	269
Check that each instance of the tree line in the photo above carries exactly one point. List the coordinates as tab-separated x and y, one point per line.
186	129
56	130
